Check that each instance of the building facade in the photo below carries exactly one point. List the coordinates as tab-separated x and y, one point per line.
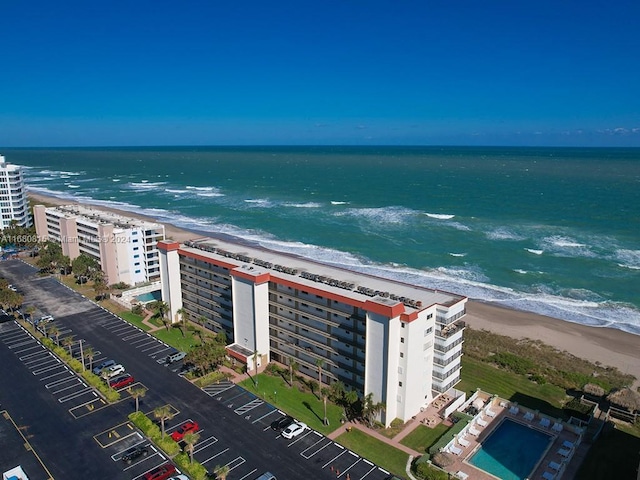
399	342
13	196
126	248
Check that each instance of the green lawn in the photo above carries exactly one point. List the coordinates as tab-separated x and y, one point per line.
134	319
423	437
303	406
546	398
174	338
388	457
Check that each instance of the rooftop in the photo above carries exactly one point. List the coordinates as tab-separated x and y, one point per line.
104	217
338	280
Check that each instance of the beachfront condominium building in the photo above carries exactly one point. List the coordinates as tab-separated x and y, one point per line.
399	342
125	247
13	197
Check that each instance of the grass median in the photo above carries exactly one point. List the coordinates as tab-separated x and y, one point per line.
384	455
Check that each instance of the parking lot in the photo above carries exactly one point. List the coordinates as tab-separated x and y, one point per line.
234	424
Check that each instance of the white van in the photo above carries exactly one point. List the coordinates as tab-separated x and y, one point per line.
176	357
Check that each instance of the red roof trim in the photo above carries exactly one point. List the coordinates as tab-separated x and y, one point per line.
168	246
205	259
258	278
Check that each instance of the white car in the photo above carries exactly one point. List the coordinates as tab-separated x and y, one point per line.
294	430
179	477
113	371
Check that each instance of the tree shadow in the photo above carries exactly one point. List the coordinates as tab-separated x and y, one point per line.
310	408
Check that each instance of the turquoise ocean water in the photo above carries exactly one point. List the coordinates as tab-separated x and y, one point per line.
553	231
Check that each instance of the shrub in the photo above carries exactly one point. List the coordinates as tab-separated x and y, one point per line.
152	431
195	470
210	378
428	472
512	362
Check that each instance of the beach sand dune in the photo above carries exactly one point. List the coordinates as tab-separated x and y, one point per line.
608	346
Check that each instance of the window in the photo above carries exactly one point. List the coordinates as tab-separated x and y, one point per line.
401	339
137	271
428	331
400	384
429	316
401	355
402	324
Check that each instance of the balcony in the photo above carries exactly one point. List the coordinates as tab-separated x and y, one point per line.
450	329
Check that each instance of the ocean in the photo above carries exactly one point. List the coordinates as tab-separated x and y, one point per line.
547	230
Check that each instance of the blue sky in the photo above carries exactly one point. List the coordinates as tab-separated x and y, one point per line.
504	72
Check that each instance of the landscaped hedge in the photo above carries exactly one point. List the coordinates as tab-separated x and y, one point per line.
194	470
152	431
95	381
211	378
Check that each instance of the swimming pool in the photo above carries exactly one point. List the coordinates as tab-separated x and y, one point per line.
149	297
511	451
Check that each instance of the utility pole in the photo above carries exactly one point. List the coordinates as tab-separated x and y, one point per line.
82	356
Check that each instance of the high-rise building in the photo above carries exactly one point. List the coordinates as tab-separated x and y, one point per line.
125	247
399	342
13	197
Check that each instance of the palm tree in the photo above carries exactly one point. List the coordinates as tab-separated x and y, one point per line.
137	393
371	409
319	364
68	342
221	472
163	413
325	395
89	354
293	367
55	332
184	320
30	310
190	439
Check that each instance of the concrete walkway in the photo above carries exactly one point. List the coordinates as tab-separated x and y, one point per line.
346	427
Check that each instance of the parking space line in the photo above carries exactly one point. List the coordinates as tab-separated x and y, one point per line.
372	469
144	459
58	382
239	395
144	342
76	395
42	363
34	353
208	444
250	473
216	455
42	370
303	436
42	356
336	457
18	352
118	455
265	415
134	335
242	460
20	344
320	449
350	466
64	370
166	347
63	389
90	407
163	349
248	406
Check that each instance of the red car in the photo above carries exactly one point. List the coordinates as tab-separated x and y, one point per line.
183	429
160	473
122	381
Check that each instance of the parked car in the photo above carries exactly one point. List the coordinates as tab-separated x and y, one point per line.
294	430
122	381
134	452
103	366
163	472
282	423
179	477
183	429
267	476
175	357
114	371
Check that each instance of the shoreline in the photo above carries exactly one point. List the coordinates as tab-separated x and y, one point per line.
609	346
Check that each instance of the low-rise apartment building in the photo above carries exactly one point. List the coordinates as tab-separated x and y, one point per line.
13	196
125	247
400	342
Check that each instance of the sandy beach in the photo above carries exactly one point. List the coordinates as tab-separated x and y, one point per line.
608	346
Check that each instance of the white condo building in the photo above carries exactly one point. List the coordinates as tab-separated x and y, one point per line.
400	342
13	197
125	247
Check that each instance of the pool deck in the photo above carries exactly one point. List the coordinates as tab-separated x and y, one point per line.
503	409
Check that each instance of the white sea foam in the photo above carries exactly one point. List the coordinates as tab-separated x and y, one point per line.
115	179
382	215
519	270
631	267
457	254
459	226
440	216
176	190
535	252
259	202
333	202
210	194
564	242
628	258
303	205
200	189
71	185
503	233
145	185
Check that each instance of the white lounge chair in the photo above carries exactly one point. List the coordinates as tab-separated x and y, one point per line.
568	444
481	422
564	452
474	432
548	476
455	450
514	410
528	416
490	413
461	475
464	442
554	466
545	422
557	427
